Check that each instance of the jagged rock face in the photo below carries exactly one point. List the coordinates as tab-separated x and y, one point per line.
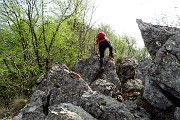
126	69
67	111
106	82
107	88
129	73
154	95
132	85
162	88
168	66
103	86
177	113
34	110
62	87
138	111
155	36
106	107
89	68
59	95
56	87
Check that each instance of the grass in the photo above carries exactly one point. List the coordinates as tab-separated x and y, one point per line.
7	112
18	104
4	112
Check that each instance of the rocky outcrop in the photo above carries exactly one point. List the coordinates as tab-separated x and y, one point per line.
105	107
126	69
162	76
67	111
61	95
155	36
89	70
132	85
177	113
129	74
139	112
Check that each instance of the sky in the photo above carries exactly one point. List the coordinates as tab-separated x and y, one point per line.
121	15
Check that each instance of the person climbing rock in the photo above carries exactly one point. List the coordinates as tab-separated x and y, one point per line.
103	43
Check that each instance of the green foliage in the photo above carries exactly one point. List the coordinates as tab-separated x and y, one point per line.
4	113
33	38
119	60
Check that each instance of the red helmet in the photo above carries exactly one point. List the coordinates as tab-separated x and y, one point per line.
101	35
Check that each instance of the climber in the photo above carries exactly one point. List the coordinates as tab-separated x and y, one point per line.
103	43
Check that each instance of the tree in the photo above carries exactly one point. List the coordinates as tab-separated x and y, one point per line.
34	35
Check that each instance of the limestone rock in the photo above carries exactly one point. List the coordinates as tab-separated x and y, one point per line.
126	69
67	111
155	36
138	112
177	113
103	87
153	94
60	95
132	85
105	108
89	68
35	109
167	70
162	83
107	89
